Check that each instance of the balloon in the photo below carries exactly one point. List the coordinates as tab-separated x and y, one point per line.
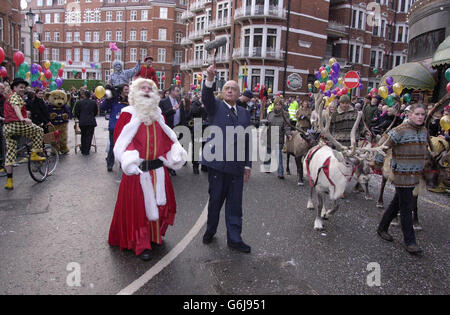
60	72
3	72
321	69
96	66
344	91
58	82
99	91
18	58
341	81
447	74
407	98
63	66
36	44
389	81
48	74
113	47
336	67
361	86
70	62
83	70
40	68
327	93
448	87
373	92
383	92
34	68
317	84
46	64
92	65
329	84
369	89
445	122
53	86
398	88
177	77
269	90
324	74
24	67
375	71
332	61
309	86
28	75
390	100
74	72
317	75
2	54
390	89
41	49
322	86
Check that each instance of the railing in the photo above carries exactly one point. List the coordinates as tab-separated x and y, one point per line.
218	24
260	11
186	15
257	53
197	35
220	58
185	41
335	26
197	6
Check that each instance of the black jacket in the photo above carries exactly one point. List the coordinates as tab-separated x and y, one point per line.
39	112
85	111
169	113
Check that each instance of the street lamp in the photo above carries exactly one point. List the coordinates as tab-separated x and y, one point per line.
39	29
30	22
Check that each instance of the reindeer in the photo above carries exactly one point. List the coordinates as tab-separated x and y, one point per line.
329	170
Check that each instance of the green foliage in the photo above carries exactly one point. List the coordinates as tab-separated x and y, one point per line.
91	84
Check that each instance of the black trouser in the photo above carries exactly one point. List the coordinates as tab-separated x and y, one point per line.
195	154
110	157
87	132
2	146
403	202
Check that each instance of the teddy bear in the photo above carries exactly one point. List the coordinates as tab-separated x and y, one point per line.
59	116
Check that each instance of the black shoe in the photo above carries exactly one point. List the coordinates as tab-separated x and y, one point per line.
196	171
109	168
207	239
385	235
280	176
204	169
240	247
172	172
413	249
146	255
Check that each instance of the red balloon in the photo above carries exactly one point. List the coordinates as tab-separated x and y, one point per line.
60	72
322	86
163	78
70	62
18	58
2	54
344	91
48	74
448	87
41	49
83	70
3	72
40	68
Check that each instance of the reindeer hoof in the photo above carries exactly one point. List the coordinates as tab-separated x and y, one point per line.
380	205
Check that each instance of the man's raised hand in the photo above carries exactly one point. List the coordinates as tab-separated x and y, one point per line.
211	71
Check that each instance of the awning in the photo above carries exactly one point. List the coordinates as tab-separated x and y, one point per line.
442	55
412	75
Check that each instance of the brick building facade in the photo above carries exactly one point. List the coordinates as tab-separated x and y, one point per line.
10	26
82	30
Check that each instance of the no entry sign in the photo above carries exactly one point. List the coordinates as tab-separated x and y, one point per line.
351	79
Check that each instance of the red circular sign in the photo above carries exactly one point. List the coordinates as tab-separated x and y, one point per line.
351	79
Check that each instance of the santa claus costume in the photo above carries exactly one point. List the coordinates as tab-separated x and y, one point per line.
144	146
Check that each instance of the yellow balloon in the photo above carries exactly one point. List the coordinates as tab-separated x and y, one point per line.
63	66
324	74
445	122
317	84
46	64
28	75
332	97
329	84
36	44
398	88
340	81
383	92
309	86
42	78
269	90
99	91
332	61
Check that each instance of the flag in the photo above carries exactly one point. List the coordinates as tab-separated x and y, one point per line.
244	81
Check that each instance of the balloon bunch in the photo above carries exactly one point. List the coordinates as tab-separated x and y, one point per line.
447	76
176	80
330	83
389	91
113	47
42	77
37	45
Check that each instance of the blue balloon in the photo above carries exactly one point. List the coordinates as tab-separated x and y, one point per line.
336	67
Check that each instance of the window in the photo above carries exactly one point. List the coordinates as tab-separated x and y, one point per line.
55	54
223	12
178	57
76	36
40	3
133	35
163	13
56	17
47	54
355	53
199	52
358	19
56	37
96	55
144	15
118	55
107	73
133	54
96	36
160	75
143	54
68	54
161	55
178	37
87	36
162	34
108	54
47	36
1	29
108	36
76	54
133	15
108	16
373	58
49	2
61	2
179	14
86	55
143	35
119	36
48	18
119	15
269	78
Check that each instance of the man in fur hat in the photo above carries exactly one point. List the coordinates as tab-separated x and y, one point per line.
121	76
145	146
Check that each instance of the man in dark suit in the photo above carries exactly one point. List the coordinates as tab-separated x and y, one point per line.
85	111
173	111
226	173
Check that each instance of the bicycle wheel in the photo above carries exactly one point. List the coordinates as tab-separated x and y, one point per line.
38	169
52	157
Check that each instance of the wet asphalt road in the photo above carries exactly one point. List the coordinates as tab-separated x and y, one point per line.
45	227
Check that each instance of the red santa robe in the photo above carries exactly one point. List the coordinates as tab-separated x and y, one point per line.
145	205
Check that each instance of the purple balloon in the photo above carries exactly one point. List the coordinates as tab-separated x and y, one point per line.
390	81
92	65
336	67
335	92
318	76
391	89
361	86
34	68
335	80
327	93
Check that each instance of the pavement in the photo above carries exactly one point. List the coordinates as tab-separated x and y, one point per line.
53	239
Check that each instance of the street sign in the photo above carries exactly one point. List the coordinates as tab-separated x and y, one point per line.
351	79
294	81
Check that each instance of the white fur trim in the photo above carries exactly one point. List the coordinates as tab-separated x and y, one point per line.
176	157
128	159
151	209
160	187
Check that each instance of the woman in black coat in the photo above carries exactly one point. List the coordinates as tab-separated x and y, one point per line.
39	110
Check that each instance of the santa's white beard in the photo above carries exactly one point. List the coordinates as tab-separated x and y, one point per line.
147	108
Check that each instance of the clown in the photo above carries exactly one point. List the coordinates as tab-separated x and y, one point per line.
145	146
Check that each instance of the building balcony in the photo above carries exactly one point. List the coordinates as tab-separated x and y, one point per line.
186	16
220	58
184	67
259	11
336	29
197	35
257	53
197	6
185	41
219	25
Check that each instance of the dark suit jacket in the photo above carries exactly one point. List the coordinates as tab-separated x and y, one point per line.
85	111
220	115
169	112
